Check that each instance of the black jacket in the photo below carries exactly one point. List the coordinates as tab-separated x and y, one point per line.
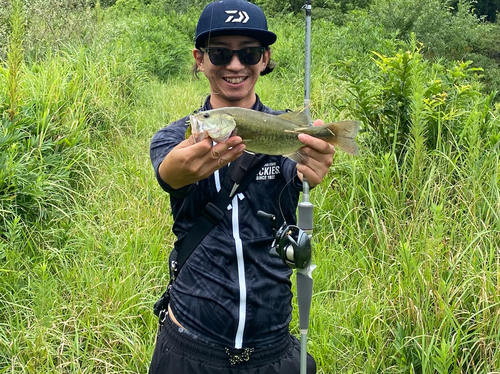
230	291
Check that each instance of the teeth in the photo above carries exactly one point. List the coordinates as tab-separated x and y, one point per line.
234	80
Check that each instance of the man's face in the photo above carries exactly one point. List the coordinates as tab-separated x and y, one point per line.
232	84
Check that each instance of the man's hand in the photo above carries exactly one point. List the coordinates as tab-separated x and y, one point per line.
190	162
320	158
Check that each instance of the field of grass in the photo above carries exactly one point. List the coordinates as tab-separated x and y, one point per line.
406	237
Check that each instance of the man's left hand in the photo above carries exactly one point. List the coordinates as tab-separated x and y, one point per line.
319	158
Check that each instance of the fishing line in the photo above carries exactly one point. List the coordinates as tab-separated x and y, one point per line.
281	193
210	29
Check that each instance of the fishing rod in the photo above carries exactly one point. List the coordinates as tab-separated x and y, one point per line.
307	60
293	243
305	219
304	276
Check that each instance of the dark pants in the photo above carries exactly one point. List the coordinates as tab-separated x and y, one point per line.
179	352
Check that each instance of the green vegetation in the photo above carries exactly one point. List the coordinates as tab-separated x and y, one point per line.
407	235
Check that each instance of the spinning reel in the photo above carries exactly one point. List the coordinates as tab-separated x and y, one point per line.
291	243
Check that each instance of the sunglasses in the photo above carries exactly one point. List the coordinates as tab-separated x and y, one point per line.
223	56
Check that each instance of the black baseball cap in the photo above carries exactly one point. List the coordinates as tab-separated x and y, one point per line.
233	17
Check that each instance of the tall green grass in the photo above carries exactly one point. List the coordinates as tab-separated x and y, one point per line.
413	241
411	270
406	235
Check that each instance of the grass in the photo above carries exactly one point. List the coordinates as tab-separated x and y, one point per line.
407	245
413	283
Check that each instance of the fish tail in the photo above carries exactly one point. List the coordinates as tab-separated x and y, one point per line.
341	135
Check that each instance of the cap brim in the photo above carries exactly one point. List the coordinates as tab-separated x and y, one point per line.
265	37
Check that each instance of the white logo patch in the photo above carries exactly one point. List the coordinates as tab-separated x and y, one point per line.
268	172
241	14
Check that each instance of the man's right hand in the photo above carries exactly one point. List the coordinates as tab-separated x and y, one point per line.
190	162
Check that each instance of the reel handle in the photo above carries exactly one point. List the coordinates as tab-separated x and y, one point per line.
269	216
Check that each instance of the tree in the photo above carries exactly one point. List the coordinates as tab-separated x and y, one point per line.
486	8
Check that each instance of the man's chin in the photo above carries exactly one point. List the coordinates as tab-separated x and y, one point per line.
234	98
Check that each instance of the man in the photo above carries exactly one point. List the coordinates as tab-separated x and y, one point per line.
230	305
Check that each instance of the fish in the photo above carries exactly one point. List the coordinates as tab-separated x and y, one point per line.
270	134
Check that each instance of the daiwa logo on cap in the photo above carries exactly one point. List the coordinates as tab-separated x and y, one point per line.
243	16
232	17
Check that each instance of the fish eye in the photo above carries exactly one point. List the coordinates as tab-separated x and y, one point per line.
206	115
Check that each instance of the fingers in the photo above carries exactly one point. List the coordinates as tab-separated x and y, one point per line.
313	173
224	153
192	161
206	149
211	157
318	161
196	148
317	144
318	122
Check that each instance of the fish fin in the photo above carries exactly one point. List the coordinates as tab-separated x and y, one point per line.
344	133
300	130
339	134
298	156
346	129
189	131
348	146
304	108
298	118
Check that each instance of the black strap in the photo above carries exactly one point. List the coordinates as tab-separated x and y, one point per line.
240	174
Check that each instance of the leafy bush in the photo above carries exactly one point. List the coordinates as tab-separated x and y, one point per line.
320	8
354	40
127	7
443	33
387	102
453	34
49	111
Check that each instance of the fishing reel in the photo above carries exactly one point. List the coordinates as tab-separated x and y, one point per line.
291	243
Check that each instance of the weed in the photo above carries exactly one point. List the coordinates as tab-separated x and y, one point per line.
406	235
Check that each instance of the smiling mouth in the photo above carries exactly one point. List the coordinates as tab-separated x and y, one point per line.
235	80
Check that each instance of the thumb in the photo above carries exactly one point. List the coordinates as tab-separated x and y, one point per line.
188	142
198	147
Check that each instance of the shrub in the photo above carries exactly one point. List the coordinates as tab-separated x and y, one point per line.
41	140
453	34
320	8
49	111
447	96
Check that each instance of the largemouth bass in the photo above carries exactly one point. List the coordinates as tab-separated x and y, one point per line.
270	134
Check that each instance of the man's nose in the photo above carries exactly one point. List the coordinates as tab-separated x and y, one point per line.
235	63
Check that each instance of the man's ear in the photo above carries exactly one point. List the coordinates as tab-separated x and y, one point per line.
198	57
266	57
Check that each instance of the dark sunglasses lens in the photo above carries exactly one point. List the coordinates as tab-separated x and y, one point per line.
220	56
223	56
250	56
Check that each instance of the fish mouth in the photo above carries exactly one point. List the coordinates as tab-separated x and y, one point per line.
195	127
234	80
196	130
